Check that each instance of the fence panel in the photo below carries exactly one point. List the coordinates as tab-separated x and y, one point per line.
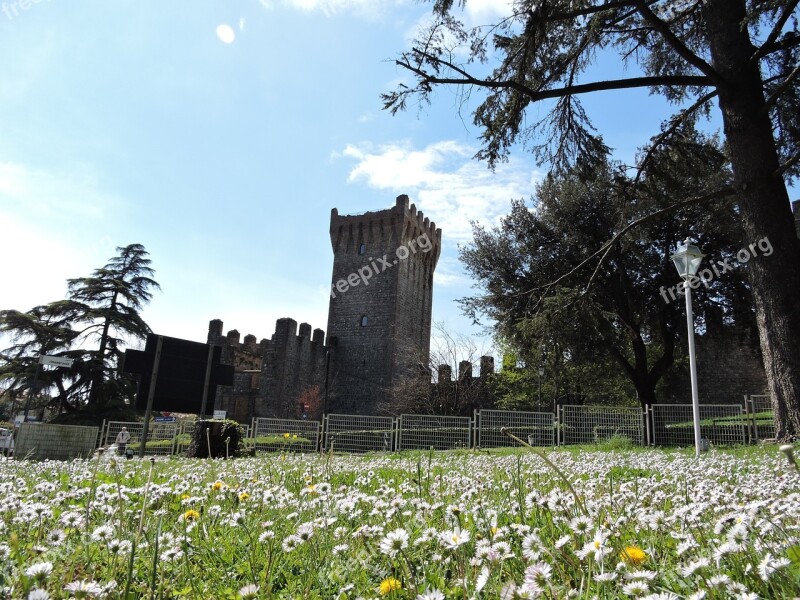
536	428
422	432
592	424
721	424
762	417
273	435
359	433
161	438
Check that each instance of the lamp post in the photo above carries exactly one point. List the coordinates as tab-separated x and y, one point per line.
687	259
541	373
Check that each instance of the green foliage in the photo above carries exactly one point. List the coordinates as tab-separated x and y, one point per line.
90	327
613	337
94	416
615	443
217	438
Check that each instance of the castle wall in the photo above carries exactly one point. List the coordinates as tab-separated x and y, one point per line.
728	367
270	377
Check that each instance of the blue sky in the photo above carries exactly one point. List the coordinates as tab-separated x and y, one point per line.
220	135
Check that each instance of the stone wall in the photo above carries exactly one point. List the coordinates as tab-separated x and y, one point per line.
729	365
270	377
41	441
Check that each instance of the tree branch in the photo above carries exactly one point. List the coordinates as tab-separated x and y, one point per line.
679	47
715	195
764	49
677	121
773	97
788	164
535	96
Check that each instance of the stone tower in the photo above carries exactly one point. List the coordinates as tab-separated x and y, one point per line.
379	320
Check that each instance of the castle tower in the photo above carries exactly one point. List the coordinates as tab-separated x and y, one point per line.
379	318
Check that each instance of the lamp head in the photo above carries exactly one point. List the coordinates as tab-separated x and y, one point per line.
687	259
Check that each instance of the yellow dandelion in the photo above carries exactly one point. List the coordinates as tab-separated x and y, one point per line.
185	497
191	515
217	486
286	436
243	496
388	585
294	436
633	555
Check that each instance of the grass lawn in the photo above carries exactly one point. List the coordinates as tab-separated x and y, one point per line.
588	522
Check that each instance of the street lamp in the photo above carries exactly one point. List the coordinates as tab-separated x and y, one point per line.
541	374
687	259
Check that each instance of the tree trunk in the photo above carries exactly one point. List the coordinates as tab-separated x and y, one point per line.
99	378
765	207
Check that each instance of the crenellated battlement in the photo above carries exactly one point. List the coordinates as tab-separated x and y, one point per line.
384	230
465	372
279	369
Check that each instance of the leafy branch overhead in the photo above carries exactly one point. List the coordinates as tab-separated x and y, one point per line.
543	50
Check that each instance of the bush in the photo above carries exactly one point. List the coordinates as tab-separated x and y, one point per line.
225	438
95	417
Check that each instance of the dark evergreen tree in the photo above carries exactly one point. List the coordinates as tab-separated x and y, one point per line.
624	317
91	327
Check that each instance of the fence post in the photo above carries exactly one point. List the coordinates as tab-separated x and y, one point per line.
399	422
742	421
559	424
750	420
647	409
476	428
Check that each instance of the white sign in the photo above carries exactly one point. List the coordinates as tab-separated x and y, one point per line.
55	361
220	414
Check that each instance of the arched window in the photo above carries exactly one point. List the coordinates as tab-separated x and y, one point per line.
362	249
364	321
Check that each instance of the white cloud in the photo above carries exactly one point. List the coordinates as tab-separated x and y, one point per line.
369	9
445	182
488	10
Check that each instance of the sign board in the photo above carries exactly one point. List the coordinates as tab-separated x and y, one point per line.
182	370
164	419
55	361
220	414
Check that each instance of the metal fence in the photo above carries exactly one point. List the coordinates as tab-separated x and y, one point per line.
292	435
762	419
666	425
592	424
721	424
359	433
423	432
536	428
161	437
